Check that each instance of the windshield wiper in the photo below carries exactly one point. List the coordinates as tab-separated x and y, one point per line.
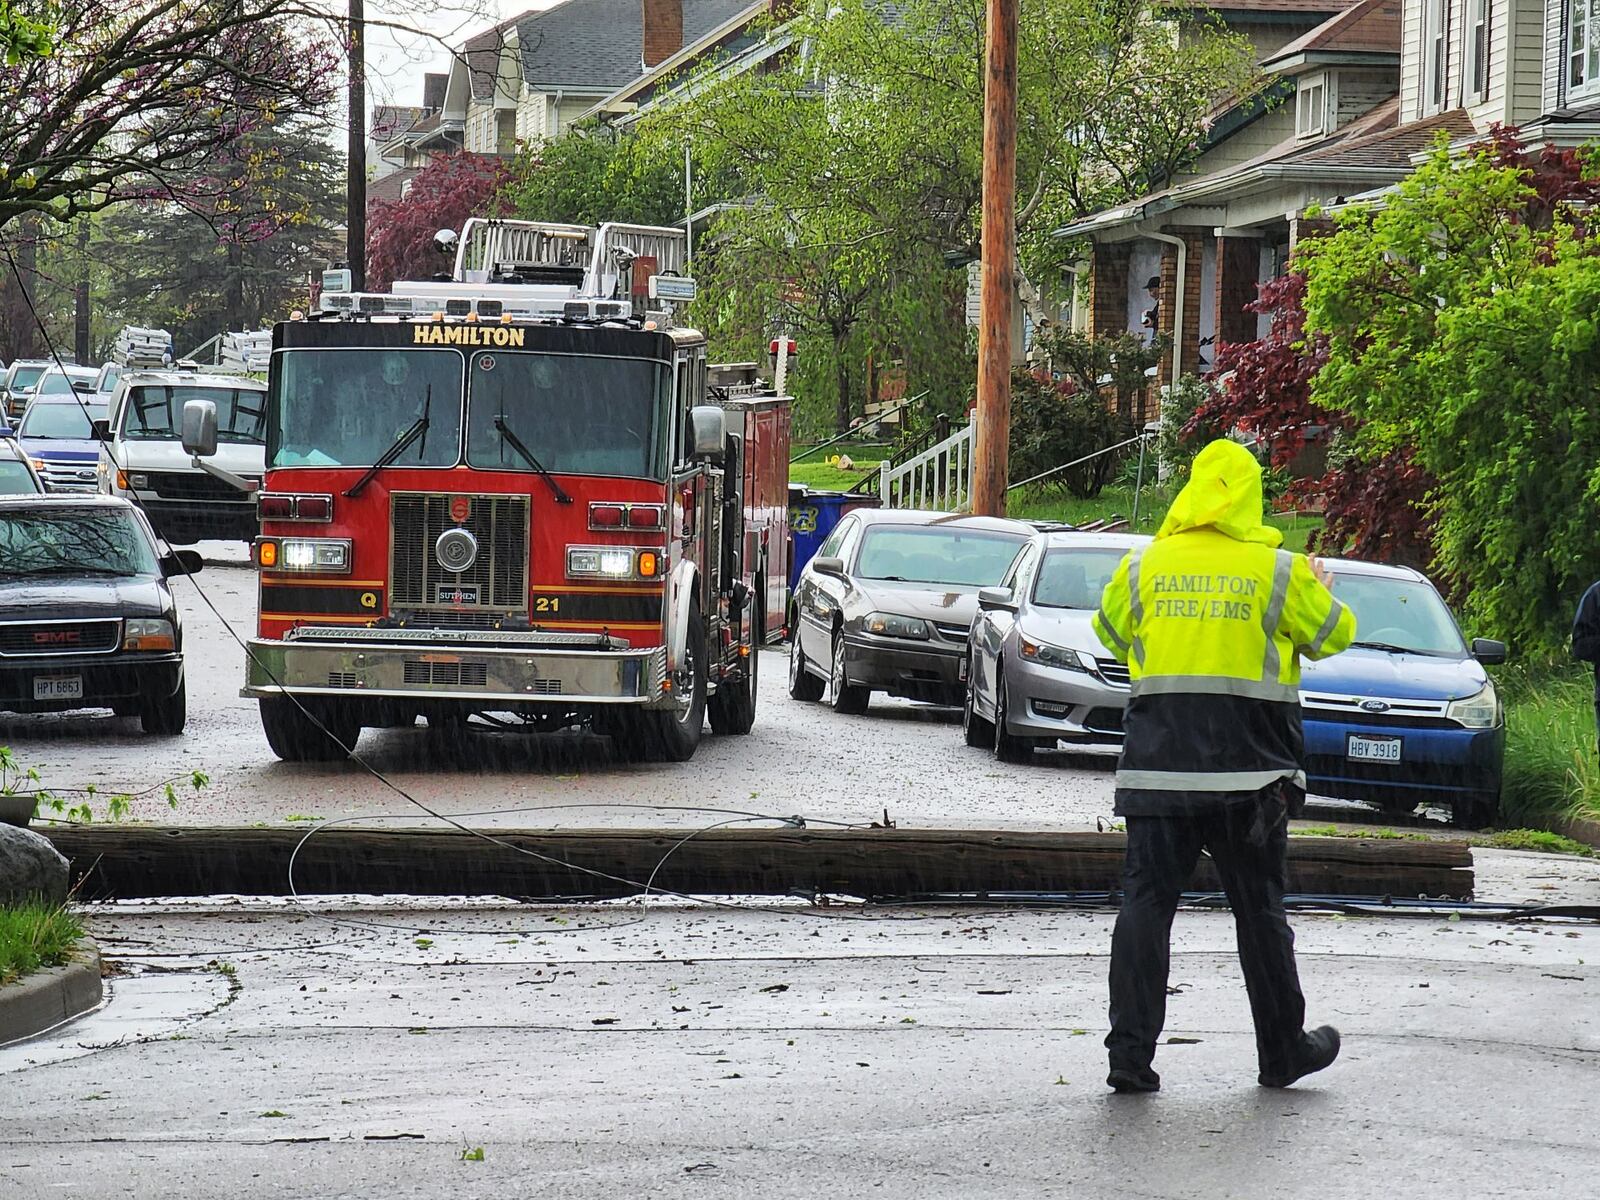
515	443
419	427
1391	648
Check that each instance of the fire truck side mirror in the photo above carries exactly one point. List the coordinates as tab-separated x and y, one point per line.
708	432
200	428
444	242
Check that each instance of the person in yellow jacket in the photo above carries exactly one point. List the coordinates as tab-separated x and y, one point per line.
1212	618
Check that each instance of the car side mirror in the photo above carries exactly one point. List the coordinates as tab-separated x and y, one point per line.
101	428
181	562
200	428
828	566
997	599
708	432
1488	651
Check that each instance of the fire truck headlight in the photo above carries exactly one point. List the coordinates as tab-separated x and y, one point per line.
330	555
607	562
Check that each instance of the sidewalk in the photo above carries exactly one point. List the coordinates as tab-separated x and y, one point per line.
611	1052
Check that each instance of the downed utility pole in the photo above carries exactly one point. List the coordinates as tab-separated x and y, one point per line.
131	861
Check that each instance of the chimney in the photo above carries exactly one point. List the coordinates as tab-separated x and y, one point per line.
433	86
663	30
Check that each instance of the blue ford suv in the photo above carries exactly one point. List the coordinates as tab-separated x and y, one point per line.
1407	715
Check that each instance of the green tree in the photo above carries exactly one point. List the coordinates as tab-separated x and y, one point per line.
858	162
591	175
239	258
1462	330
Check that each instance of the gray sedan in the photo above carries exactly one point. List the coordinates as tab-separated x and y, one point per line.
887	602
1036	672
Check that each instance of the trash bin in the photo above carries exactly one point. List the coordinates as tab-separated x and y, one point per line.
812	517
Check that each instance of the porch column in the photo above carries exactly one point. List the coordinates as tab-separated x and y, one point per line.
1108	287
1238	272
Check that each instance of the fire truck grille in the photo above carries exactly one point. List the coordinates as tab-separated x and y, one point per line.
497	580
462	674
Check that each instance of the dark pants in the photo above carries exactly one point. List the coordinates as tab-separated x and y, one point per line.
1248	840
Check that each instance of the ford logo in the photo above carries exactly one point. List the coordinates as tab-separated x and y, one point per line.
1374	706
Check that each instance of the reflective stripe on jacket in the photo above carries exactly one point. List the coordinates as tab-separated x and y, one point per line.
1212	619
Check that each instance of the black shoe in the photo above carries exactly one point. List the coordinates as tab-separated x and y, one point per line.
1133	1079
1318	1049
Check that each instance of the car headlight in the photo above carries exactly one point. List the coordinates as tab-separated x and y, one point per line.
614	562
1476	712
148	633
1051	656
890	625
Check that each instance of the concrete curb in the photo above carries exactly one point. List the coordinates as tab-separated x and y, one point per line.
52	997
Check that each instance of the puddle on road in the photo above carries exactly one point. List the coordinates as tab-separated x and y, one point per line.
146	1005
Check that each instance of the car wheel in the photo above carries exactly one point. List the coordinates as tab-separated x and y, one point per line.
295	737
1008	747
803	685
977	732
165	717
673	735
733	708
842	696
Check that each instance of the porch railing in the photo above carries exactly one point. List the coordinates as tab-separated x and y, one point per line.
940	478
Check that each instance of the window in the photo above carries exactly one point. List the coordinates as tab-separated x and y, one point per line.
940	555
1583	47
344	408
78	539
156	413
1312	99
67	421
1475	81
1076	577
835	542
1433	55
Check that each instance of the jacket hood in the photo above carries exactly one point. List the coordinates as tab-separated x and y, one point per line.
1223	493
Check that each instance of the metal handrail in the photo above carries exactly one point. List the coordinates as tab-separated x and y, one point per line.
1138	437
849	433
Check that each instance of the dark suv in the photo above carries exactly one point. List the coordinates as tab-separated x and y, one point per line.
87	618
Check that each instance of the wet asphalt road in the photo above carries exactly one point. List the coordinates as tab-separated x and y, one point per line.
800	758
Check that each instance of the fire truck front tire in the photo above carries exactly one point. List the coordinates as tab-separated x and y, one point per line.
294	737
733	708
674	735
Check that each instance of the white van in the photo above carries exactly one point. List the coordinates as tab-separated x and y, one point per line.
143	452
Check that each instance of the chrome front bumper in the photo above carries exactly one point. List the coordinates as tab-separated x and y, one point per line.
431	664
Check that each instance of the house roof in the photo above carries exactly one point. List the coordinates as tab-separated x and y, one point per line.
1366	27
390	120
598	45
1267	8
728	36
482	55
391	187
1370	151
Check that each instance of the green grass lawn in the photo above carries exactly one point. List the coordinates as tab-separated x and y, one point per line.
822	477
1117	501
1552	763
34	936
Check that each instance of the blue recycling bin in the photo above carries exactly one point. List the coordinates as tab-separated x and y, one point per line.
812	517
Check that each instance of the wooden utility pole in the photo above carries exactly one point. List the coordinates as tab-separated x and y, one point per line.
355	213
999	254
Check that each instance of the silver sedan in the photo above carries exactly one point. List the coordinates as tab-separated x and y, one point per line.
1036	672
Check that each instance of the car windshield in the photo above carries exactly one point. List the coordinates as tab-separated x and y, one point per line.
344	408
74	541
66	421
154	412
576	414
942	555
23	378
1399	614
15	479
57	384
1075	577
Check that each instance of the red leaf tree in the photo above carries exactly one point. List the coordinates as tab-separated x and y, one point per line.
1374	510
442	195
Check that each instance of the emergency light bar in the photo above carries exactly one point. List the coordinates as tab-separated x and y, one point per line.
375	304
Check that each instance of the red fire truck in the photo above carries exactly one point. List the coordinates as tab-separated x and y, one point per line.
517	490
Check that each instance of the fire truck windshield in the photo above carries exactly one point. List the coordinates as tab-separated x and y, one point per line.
577	414
344	408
